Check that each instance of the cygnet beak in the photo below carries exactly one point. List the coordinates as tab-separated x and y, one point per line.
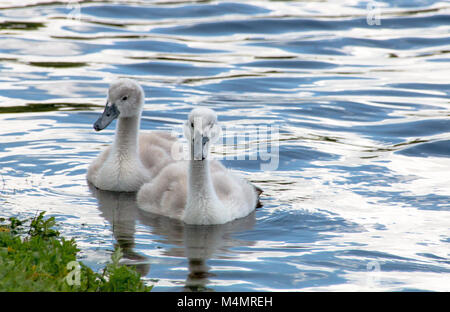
109	114
205	140
198	147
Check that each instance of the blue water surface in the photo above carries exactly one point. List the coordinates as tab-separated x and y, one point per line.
357	112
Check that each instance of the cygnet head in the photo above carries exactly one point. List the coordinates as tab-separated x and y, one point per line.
200	130
125	99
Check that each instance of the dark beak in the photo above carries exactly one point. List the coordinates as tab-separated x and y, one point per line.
198	148
205	140
109	114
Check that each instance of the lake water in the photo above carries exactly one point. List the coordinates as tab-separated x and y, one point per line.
358	91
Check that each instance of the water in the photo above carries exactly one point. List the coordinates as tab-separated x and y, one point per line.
360	199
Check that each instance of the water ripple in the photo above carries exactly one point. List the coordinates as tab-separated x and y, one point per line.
362	112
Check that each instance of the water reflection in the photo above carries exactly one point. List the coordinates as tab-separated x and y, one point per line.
121	211
197	243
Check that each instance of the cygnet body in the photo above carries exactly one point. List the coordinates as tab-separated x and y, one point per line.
132	159
199	191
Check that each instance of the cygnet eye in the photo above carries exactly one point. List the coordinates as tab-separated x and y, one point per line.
125	98
192	124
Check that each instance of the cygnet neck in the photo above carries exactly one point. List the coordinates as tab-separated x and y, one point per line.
202	206
126	138
200	178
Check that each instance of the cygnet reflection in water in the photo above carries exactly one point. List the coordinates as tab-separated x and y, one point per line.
197	244
120	210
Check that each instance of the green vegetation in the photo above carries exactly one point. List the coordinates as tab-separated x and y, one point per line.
34	257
